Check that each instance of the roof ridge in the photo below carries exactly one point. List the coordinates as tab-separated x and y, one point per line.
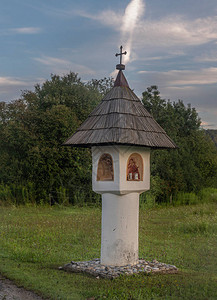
121	80
119	92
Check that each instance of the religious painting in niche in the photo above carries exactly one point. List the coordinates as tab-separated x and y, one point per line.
135	167
105	168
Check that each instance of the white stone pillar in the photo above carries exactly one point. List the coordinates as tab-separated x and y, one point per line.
120	221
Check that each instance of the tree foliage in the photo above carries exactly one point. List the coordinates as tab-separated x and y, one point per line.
194	164
213	135
33	128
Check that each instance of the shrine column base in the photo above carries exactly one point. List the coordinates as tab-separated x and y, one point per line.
120	221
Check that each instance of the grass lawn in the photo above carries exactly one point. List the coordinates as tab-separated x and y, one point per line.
35	241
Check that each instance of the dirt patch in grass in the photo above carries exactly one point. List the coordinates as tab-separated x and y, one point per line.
9	291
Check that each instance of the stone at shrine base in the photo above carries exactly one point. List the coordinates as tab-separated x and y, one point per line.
98	270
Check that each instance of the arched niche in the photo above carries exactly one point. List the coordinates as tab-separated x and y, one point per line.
105	168
135	167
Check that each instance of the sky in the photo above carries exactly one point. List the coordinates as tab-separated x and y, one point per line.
171	44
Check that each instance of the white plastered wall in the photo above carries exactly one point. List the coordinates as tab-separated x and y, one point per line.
120	204
120	219
120	155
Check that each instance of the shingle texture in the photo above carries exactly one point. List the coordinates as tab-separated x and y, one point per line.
120	119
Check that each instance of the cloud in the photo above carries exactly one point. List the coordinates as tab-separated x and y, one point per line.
208	125
107	18
181	88
169	31
132	15
208	117
159	57
125	23
198	87
11	87
11	81
176	30
63	66
185	77
163	57
25	30
114	73
50	61
212	57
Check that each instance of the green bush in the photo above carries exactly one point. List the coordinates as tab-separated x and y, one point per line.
17	194
186	198
208	195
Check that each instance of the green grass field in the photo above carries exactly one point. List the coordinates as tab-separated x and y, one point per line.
35	241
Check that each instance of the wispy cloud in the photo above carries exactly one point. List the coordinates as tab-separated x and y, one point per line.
63	66
125	23
20	30
185	77
206	125
163	57
50	61
132	16
181	88
176	30
211	57
25	30
197	87
170	31
108	18
11	87
11	81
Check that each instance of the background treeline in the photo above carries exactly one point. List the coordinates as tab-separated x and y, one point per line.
189	169
213	134
36	168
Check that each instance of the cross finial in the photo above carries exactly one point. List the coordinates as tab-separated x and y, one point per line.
120	66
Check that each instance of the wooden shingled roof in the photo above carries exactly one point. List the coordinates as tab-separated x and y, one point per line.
120	119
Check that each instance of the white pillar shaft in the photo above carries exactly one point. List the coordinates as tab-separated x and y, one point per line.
120	220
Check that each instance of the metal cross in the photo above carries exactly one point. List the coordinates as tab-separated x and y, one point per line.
121	53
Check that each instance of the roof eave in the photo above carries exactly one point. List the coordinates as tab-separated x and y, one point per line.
119	144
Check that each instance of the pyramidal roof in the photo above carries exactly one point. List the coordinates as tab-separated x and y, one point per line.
120	119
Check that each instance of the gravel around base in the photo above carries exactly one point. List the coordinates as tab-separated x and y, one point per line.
9	291
94	268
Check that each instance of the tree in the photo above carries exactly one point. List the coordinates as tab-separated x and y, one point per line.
213	135
194	164
33	129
